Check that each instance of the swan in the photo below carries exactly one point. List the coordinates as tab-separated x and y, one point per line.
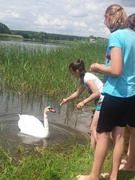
30	125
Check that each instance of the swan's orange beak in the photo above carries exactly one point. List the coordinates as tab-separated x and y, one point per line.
52	110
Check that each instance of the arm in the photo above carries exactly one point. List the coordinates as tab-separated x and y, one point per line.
95	94
116	64
74	95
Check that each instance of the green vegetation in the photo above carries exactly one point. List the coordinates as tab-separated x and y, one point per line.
4	29
52	163
6	34
45	72
9	37
30	70
35	36
46	37
43	37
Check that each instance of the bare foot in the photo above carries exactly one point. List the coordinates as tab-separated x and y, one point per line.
123	161
126	167
105	176
85	177
82	177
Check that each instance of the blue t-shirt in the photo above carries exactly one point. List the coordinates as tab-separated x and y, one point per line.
123	85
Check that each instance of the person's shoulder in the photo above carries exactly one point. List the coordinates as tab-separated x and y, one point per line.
117	38
88	74
120	31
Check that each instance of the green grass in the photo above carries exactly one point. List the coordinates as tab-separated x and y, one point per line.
53	163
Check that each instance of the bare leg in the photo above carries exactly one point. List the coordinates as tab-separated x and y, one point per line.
130	165
99	157
93	128
125	159
118	149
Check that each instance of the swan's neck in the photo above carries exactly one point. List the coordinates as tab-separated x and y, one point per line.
45	121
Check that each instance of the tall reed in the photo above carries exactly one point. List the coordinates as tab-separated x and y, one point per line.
38	70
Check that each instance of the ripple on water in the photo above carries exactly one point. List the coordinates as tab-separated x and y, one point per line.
60	134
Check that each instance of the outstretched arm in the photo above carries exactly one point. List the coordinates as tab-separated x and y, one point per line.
73	96
94	95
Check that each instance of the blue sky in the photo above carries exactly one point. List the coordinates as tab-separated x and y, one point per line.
70	17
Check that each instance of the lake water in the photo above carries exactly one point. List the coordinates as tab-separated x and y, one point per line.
30	44
67	125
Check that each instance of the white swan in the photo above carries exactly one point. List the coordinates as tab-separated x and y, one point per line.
32	126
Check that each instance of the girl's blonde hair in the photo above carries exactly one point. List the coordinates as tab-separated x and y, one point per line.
118	17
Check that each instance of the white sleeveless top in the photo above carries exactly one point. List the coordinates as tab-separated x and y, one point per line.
89	76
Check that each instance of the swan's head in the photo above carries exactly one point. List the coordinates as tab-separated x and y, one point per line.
49	109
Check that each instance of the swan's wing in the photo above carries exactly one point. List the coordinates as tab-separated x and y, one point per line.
29	122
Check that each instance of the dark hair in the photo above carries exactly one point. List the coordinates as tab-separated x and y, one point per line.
131	20
78	65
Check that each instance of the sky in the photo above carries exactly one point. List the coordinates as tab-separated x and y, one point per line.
68	17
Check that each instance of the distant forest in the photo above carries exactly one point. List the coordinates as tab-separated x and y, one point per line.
38	36
41	36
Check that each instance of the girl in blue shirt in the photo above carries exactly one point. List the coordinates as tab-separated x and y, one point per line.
118	107
128	163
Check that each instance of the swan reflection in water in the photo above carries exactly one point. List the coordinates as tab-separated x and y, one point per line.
31	140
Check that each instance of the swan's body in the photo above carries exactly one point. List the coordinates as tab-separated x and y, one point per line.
32	126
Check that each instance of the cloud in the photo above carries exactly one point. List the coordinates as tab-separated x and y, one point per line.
129	3
79	24
81	18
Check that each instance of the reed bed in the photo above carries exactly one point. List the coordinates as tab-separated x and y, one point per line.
38	70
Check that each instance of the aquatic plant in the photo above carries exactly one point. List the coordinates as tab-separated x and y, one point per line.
37	70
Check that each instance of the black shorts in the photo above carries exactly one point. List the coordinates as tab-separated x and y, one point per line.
116	111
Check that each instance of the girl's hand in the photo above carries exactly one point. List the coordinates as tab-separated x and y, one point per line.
80	105
63	101
95	67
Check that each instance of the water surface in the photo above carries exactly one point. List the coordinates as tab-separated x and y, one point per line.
67	126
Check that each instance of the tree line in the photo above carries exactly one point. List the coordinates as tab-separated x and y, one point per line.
38	36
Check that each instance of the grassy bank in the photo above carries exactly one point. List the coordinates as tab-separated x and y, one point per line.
52	164
9	37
